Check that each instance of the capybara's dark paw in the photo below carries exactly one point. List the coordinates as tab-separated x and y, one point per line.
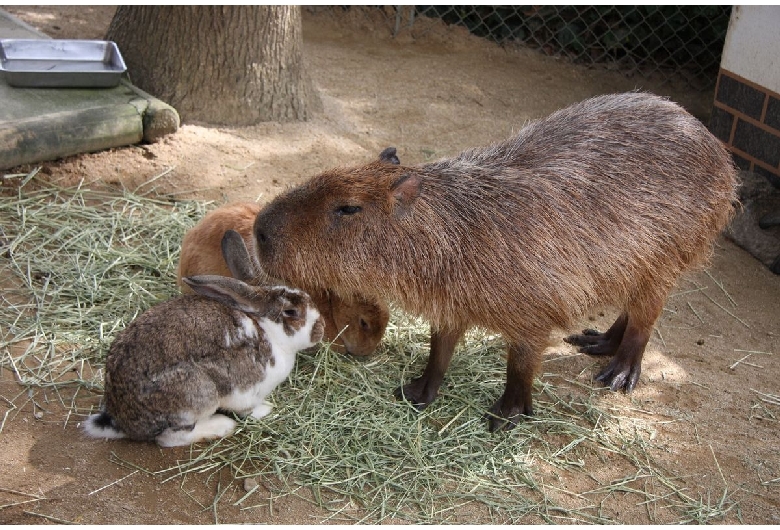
619	376
417	393
592	342
586	338
502	417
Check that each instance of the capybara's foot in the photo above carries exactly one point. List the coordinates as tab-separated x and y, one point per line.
592	342
620	375
503	416
419	393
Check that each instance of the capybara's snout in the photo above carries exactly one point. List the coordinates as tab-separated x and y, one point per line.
263	230
278	233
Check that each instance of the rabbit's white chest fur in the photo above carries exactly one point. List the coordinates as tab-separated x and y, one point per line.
283	350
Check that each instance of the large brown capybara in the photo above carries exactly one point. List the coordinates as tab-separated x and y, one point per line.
603	203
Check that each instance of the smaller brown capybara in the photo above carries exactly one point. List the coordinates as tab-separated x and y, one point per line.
354	325
603	203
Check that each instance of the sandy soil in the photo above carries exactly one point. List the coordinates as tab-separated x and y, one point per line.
430	96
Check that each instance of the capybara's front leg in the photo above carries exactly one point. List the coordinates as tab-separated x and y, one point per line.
423	390
523	360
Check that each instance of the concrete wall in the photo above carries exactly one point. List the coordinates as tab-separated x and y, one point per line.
752	48
746	113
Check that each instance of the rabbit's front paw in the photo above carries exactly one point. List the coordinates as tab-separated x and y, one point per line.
262	410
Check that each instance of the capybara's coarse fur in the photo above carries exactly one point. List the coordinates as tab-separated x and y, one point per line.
354	325
603	203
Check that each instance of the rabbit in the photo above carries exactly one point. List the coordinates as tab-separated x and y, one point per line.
353	325
225	348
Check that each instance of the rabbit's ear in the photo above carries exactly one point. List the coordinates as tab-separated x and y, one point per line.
228	291
237	257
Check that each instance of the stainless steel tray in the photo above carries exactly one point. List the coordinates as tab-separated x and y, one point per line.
49	63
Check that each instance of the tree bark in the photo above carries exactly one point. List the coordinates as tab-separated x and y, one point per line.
230	65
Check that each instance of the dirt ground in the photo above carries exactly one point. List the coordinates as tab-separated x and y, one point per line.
711	371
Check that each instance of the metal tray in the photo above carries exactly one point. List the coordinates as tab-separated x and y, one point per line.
50	63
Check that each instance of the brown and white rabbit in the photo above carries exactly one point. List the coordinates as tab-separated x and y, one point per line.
356	325
225	348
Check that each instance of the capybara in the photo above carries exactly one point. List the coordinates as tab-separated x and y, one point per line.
355	325
603	203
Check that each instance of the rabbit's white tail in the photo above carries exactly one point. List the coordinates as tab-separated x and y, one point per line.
102	425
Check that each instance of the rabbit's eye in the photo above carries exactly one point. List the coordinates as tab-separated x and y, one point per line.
290	313
348	210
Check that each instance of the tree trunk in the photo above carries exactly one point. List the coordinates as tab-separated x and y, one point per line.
231	65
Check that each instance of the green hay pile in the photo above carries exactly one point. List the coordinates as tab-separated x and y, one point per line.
78	265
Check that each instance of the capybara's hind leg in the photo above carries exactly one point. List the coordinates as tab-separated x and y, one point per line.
594	343
422	391
523	359
625	366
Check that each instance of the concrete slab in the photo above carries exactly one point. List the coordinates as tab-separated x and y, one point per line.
38	124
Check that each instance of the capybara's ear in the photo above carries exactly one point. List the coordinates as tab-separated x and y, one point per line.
389	156
404	192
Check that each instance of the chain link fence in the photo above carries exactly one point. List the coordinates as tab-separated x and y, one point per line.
677	43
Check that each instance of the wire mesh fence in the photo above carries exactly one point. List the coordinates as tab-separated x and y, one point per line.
677	43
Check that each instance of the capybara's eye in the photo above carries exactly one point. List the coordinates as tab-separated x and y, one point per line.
348	210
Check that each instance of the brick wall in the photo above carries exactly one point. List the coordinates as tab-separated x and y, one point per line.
746	117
